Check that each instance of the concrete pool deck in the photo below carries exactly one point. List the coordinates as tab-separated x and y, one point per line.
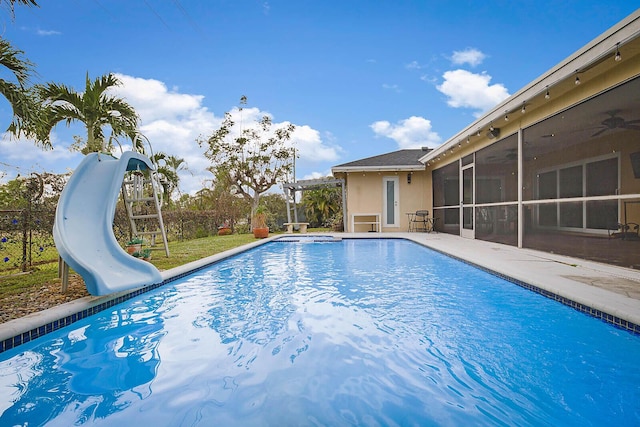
607	289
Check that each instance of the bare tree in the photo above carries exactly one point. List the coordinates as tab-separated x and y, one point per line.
255	159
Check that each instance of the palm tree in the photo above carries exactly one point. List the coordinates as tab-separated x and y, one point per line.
168	168
24	102
176	164
320	204
94	107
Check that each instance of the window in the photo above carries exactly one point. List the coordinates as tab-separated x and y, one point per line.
602	177
547	185
593	177
570	182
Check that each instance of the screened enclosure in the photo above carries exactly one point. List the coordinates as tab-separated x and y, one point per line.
580	175
581	193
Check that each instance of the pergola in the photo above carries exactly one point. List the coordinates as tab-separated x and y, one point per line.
290	189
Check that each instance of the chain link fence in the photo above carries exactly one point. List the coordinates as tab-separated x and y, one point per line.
25	239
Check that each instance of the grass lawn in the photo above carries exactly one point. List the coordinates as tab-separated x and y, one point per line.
187	251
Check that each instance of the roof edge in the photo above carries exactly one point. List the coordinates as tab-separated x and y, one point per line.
386	168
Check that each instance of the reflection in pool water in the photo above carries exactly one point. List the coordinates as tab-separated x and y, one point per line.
372	332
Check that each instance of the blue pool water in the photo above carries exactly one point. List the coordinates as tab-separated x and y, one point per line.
356	332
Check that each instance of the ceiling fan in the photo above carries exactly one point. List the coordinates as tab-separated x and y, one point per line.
509	154
616	122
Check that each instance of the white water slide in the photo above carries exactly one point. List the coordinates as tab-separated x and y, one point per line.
83	228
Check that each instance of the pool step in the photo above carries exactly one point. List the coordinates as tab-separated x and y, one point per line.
309	239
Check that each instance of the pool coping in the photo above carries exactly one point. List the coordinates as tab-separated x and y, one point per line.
512	264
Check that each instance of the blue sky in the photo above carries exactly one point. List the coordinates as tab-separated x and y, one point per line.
357	78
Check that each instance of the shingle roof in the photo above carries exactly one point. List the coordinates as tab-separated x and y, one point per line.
401	159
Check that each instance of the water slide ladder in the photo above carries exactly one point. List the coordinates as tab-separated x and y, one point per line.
140	192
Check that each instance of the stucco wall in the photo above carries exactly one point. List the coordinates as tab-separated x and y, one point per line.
364	195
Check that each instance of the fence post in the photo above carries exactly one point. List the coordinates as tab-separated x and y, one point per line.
25	232
30	241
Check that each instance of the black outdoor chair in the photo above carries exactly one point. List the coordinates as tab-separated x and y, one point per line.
630	231
421	221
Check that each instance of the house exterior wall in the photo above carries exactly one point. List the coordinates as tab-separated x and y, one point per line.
365	195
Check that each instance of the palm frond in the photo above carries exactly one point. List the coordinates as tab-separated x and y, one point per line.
12	59
94	107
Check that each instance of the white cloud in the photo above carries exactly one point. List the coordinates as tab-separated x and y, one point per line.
152	100
23	156
48	32
392	87
310	147
317	175
470	56
414	132
469	90
173	122
429	79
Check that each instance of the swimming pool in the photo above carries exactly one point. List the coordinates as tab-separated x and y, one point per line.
351	332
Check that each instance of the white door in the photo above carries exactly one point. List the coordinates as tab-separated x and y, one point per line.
390	201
